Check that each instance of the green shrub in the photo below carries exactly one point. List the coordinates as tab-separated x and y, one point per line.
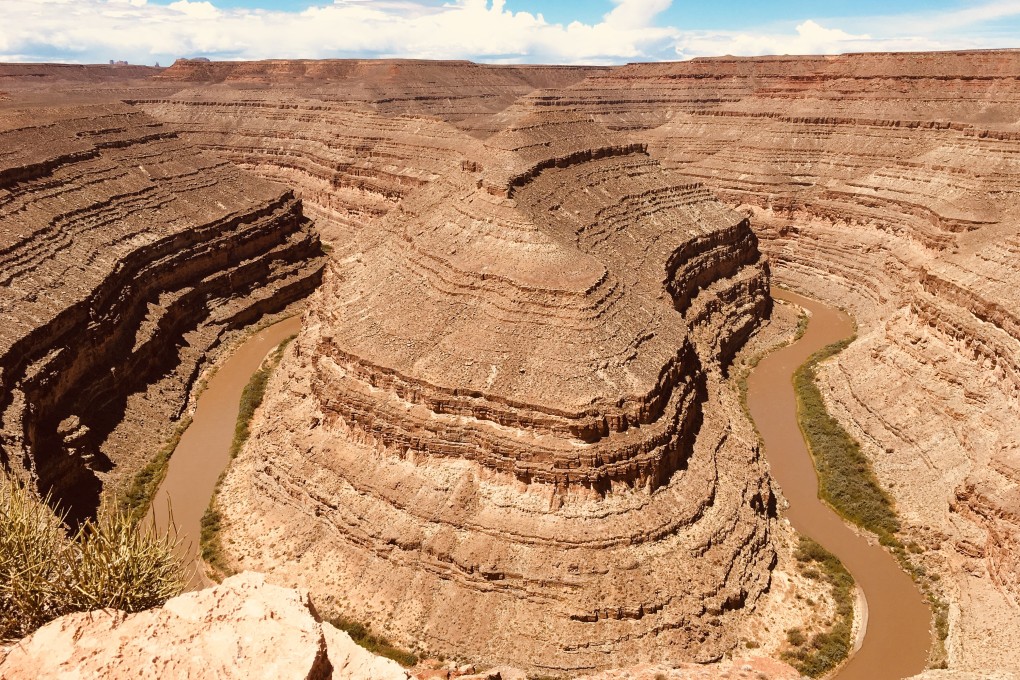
829	648
111	561
377	644
845	478
138	496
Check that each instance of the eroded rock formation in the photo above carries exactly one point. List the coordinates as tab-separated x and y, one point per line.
501	433
475	219
888	184
125	254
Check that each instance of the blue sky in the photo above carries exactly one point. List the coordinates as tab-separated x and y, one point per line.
499	31
731	14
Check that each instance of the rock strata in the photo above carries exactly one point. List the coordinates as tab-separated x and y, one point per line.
886	183
125	255
502	433
507	398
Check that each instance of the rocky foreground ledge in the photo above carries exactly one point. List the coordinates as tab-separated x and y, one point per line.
242	628
247	628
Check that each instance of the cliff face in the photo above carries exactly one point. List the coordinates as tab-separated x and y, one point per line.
352	137
125	255
459	91
502	427
502	434
888	184
348	163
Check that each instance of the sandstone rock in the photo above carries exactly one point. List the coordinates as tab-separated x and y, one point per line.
964	675
522	452
242	628
753	668
352	662
886	183
125	256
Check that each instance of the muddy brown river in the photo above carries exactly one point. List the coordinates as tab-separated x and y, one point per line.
898	633
897	637
204	449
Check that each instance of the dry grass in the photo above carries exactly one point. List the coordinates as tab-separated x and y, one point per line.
111	561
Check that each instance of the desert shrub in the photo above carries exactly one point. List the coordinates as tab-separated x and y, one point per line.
137	497
32	543
120	563
377	644
110	561
845	478
827	649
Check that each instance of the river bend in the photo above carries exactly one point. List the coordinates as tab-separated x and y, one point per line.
898	634
204	450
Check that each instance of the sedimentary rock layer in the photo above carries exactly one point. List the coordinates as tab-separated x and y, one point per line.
124	256
888	184
459	91
348	163
502	434
352	137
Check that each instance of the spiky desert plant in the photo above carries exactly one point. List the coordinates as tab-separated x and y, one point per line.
111	561
32	551
118	563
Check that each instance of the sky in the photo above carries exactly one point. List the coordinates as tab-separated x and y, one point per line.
492	31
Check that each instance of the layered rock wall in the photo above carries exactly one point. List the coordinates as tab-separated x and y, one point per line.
527	318
502	433
348	163
125	255
352	137
887	184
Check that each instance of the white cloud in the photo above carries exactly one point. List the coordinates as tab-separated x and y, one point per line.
483	30
809	38
97	30
195	10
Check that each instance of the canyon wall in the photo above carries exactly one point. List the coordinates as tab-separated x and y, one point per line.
502	428
502	433
883	182
890	185
125	255
352	137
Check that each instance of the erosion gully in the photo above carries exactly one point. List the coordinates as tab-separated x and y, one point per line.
204	450
897	636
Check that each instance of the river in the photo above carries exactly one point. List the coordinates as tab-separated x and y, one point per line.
204	450
898	633
897	637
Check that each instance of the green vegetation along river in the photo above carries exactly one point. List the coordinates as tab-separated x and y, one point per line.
204	449
898	633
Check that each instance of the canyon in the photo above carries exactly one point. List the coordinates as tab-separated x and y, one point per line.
507	429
